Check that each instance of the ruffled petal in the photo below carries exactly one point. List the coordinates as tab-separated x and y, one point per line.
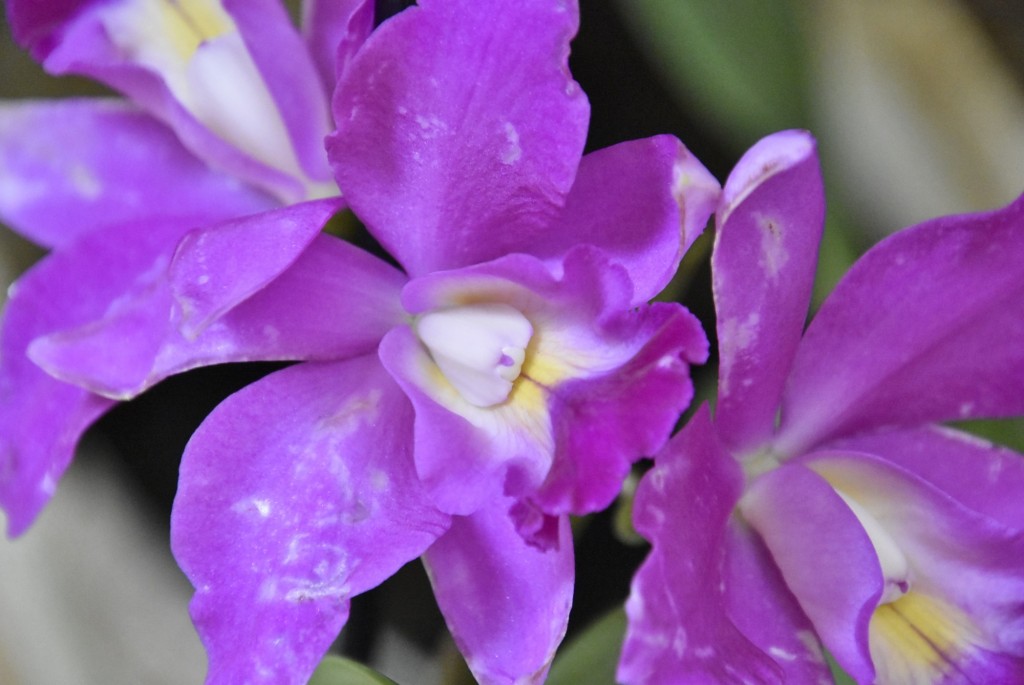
584	373
73	165
334	30
984	477
41	419
460	129
679	630
927	326
825	556
604	424
334	302
769	224
643	202
506	601
463	465
296	494
965	587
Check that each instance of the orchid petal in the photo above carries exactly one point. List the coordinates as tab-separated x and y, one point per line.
604	424
334	302
334	30
291	76
73	165
925	327
218	267
296	494
590	359
506	602
678	628
761	606
461	465
643	202
979	475
36	24
41	419
88	47
825	555
769	225
966	581
460	130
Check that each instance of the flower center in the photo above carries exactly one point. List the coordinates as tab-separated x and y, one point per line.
479	348
895	569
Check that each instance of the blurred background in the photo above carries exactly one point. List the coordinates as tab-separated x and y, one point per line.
918	106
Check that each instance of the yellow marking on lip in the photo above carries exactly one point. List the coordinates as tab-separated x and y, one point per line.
190	22
919	640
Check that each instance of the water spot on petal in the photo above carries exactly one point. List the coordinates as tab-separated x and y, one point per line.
774	255
512	152
781	654
85	182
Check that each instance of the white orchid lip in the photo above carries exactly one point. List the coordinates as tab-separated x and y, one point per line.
479	348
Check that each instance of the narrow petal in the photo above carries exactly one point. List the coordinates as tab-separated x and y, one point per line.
41	419
334	30
334	302
218	267
678	627
460	129
73	165
825	556
291	76
296	494
965	593
643	202
506	602
769	225
927	326
984	477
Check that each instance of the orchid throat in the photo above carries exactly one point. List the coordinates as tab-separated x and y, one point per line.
479	348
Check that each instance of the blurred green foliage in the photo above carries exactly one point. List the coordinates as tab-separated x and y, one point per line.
742	62
593	656
336	670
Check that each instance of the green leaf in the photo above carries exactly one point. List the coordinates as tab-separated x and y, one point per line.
592	656
743	63
1005	432
336	670
838	674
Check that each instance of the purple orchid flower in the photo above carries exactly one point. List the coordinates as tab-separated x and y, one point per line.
458	409
232	120
825	505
